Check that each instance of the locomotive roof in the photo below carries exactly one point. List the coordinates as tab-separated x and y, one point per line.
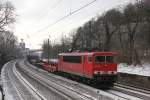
89	53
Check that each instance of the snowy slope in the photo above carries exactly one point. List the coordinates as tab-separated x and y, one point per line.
143	70
0	95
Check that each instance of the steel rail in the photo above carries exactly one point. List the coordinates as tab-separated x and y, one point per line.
134	93
105	91
10	75
129	96
47	81
28	85
52	88
132	88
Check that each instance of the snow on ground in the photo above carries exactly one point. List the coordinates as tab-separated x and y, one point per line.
0	90
0	95
143	70
7	86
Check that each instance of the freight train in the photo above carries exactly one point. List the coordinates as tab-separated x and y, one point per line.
90	67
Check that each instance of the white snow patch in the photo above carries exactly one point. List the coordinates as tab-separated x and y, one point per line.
0	95
0	91
143	70
7	89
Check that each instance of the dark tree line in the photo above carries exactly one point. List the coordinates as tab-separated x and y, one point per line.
8	47
126	30
52	50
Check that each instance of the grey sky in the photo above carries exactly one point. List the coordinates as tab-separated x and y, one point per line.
34	15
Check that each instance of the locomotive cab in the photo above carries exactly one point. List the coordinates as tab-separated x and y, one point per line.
105	67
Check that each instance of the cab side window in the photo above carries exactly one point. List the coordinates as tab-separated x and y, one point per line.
72	59
90	59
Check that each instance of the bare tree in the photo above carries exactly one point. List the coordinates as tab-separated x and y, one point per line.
8	47
111	24
6	15
132	20
145	7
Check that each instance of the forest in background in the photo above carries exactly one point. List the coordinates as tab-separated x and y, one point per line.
125	30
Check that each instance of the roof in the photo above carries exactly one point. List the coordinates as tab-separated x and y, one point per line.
89	53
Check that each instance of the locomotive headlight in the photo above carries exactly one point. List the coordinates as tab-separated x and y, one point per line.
95	72
115	72
99	72
105	72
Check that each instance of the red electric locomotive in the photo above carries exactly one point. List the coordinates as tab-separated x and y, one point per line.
93	66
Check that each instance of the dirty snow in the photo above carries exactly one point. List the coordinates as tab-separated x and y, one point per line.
0	95
143	70
0	91
7	87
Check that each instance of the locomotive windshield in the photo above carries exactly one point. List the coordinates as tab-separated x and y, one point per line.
104	59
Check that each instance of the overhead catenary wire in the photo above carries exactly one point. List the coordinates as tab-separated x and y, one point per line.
42	16
64	17
50	9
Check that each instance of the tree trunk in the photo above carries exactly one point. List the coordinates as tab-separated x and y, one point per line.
137	58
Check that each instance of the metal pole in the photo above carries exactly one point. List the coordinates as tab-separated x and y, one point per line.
48	51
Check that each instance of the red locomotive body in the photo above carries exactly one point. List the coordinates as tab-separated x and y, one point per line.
97	66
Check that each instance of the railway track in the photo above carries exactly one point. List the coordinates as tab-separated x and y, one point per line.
60	88
147	91
31	83
28	86
119	93
18	88
121	96
140	93
65	92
